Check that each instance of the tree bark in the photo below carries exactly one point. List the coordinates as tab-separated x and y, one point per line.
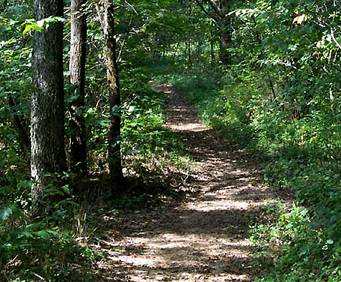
78	156
47	105
225	45
114	135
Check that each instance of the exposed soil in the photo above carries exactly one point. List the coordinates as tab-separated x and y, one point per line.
204	237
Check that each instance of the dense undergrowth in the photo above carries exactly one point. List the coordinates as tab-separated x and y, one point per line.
55	248
274	89
300	153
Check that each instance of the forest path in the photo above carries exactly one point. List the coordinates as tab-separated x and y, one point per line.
205	237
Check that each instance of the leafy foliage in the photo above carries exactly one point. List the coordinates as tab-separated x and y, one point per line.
279	97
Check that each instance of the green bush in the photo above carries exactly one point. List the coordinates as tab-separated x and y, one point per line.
301	252
302	153
39	250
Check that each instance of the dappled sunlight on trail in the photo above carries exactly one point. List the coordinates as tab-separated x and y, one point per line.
205	237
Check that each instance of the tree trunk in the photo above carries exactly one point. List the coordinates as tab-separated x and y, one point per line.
20	125
114	146
47	105
226	32
189	53
78	154
225	45
212	40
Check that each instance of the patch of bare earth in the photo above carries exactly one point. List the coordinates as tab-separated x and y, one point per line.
205	237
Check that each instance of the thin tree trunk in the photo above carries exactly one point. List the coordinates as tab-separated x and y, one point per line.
188	44
226	32
189	53
114	135
212	40
225	45
212	51
47	105
23	136
78	154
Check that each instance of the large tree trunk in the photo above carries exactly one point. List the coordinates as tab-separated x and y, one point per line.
78	148
114	147
47	110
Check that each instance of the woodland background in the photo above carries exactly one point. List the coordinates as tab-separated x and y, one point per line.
264	73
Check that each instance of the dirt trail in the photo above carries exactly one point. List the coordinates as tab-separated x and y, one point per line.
205	237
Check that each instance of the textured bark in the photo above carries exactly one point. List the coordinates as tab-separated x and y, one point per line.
114	148
225	45
47	110
78	155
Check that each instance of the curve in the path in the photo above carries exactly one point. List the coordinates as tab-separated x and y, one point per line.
205	238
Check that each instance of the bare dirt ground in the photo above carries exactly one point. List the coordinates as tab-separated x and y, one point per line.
203	238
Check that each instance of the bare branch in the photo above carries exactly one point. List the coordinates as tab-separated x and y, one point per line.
334	39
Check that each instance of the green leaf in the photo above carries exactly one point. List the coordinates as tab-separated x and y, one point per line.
46	234
5	213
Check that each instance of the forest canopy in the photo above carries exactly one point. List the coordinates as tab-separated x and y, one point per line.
83	125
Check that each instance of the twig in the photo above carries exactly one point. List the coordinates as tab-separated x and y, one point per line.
40	277
334	39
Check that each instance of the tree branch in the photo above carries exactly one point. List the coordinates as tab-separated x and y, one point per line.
201	6
215	8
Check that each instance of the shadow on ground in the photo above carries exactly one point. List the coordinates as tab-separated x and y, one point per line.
205	236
